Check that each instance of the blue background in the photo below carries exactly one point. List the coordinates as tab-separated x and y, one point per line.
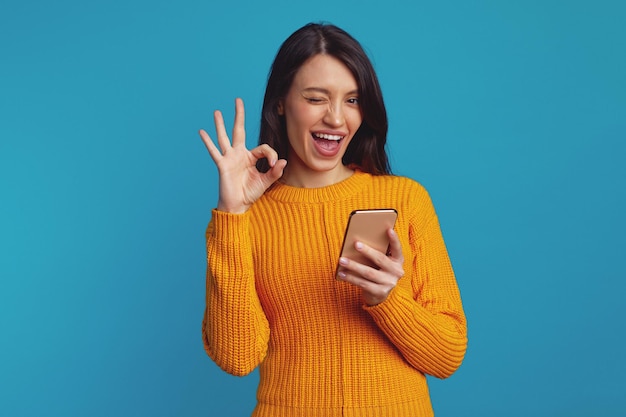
512	114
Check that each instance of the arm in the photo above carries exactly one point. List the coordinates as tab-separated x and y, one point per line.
427	323
235	330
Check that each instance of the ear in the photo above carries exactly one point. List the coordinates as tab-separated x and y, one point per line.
281	108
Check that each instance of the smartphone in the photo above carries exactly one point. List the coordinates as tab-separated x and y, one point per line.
369	227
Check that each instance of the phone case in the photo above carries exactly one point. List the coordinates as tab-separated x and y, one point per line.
369	227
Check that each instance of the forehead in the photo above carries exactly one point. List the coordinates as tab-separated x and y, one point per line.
325	71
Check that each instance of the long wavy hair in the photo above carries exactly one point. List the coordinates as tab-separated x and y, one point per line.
367	150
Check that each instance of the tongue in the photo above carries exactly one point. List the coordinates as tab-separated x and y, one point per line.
328	145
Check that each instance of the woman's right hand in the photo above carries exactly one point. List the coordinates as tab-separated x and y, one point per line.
241	184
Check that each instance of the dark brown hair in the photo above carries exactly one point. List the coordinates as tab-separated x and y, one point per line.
367	148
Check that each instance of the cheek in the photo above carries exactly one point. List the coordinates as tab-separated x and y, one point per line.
354	120
302	117
293	116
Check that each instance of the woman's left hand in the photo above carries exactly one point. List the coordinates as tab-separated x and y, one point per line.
376	284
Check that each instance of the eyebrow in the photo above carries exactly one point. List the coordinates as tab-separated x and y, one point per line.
325	91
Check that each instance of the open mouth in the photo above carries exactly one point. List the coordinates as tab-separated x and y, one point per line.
326	136
327	141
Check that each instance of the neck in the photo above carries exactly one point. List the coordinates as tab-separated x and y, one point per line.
296	178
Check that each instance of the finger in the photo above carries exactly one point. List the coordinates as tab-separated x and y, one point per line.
239	130
372	292
375	285
379	258
265	151
222	136
276	171
354	272
354	279
395	247
208	142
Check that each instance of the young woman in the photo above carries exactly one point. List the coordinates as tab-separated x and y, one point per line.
350	341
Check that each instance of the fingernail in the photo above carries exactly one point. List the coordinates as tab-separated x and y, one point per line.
343	261
358	245
341	274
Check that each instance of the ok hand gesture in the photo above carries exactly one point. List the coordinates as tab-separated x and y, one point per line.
240	183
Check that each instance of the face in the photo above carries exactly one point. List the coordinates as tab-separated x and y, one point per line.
322	114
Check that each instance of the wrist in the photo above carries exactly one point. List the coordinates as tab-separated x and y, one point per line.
240	209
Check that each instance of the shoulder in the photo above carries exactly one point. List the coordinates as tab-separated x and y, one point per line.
407	195
401	187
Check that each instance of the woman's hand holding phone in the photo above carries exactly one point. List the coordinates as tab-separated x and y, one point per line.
375	282
240	184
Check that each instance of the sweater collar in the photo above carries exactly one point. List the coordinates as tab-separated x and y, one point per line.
334	192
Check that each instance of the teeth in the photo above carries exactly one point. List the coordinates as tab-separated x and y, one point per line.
327	137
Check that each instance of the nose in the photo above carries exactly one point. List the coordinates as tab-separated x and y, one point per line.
334	115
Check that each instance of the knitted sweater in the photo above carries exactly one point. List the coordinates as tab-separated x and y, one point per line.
273	300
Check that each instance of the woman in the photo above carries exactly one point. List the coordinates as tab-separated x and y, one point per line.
357	340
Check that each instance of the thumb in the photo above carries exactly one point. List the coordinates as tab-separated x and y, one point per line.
276	171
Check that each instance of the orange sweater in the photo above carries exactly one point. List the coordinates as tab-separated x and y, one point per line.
272	300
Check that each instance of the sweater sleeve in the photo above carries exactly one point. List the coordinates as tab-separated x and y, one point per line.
235	329
426	323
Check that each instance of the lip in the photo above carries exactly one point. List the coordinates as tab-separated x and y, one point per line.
328	143
330	132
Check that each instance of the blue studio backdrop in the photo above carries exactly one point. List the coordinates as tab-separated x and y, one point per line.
512	114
